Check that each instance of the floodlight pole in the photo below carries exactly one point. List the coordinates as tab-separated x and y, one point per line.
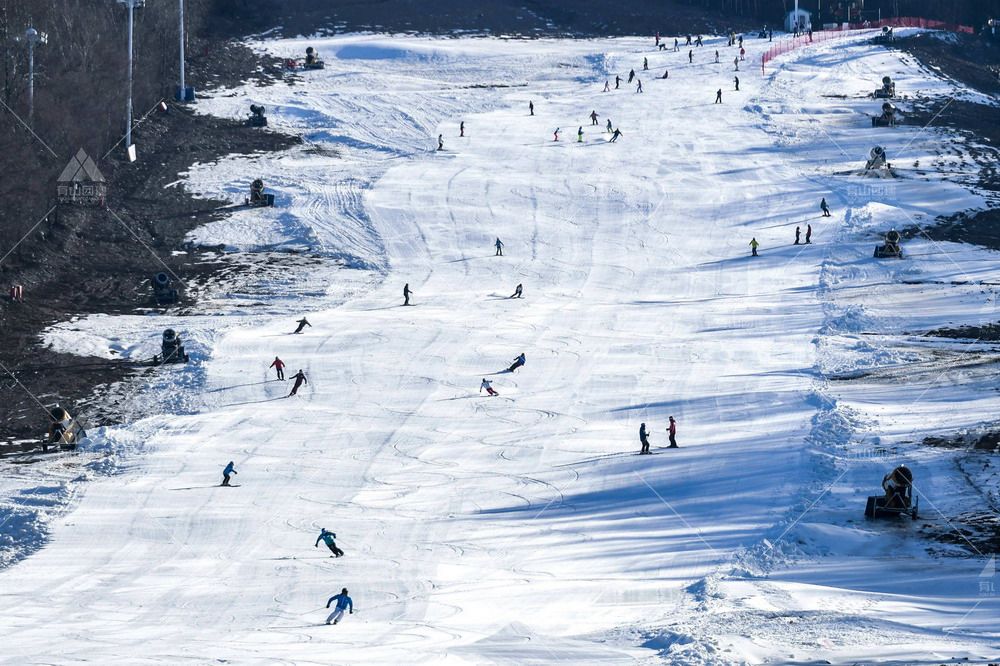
183	87
131	4
32	37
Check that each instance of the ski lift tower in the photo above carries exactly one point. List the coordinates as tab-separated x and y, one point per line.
32	38
131	5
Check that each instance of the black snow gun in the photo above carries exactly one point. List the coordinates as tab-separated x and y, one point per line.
171	349
257	117
886	36
898	499
164	292
891	248
878	163
311	61
888	117
64	431
258	198
888	89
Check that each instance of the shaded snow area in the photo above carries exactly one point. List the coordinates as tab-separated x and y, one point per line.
524	528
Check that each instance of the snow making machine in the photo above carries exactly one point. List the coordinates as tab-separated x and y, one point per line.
886	36
258	198
171	349
64	431
888	117
258	116
890	249
888	89
164	292
877	164
312	60
898	499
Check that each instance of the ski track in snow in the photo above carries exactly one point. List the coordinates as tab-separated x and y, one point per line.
523	529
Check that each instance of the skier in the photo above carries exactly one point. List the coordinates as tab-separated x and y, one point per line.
328	539
638	88
716	57
672	430
488	385
531	108
607	85
300	379
736	80
406	293
718	96
499	246
688	42
736	64
517	291
666	73
279	367
663	46
579	134
555	135
440	141
657	43
743	53
753	247
618	81
770	35
677	45
809	234
229	471
741	41
645	64
824	207
344	602
614	137
690	57
593	117
697	42
302	324
631	75
461	128
797	232
609	129
643	439
518	363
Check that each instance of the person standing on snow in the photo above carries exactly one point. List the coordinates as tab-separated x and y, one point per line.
279	367
488	385
825	208
614	137
736	80
302	324
643	439
666	74
593	117
716	57
344	602
608	128
797	232
809	234
300	379
228	472
461	129
607	85
743	53
440	141
406	293
718	96
736	64
518	363
677	45
499	246
672	431
638	88
631	75
690	57
329	539
517	291
645	64
618	81
531	108
555	135
579	134
753	247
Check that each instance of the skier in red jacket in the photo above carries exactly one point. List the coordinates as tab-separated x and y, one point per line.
279	367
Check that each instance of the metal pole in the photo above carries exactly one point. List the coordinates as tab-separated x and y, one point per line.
31	83
128	119
183	87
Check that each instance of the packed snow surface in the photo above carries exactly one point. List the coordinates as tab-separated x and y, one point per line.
523	528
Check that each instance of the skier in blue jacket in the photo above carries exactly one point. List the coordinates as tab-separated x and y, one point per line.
329	539
343	603
229	471
518	362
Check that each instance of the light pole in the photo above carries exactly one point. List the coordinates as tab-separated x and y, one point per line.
32	37
131	4
182	92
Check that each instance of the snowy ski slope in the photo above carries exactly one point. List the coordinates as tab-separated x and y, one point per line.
522	528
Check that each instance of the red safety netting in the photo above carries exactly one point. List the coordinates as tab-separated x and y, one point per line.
846	30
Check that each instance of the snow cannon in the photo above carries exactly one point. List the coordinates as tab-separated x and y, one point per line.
64	431
164	292
891	248
885	36
312	60
257	116
888	117
258	199
876	160
888	89
171	349
898	499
